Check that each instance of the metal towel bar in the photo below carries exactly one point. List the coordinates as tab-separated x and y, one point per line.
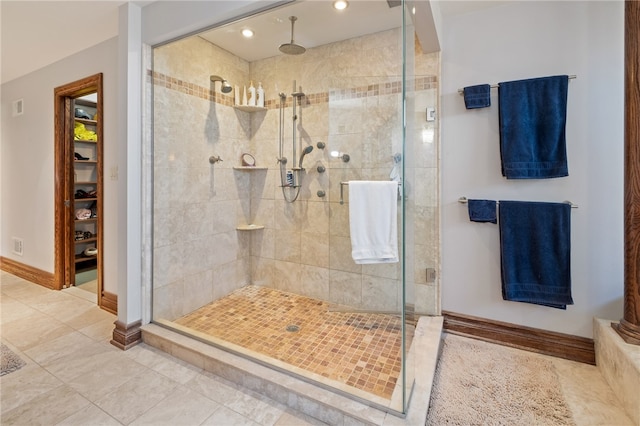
495	86
464	200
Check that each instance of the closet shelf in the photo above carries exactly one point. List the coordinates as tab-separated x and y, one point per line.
250	227
84	141
87	240
86	121
91	219
82	258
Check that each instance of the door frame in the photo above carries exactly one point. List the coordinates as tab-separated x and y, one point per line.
64	250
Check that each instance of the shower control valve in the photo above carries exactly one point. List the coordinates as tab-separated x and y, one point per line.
214	159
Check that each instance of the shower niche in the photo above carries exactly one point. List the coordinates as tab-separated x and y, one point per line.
242	255
256	176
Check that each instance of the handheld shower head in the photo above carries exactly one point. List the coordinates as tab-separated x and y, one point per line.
226	87
305	151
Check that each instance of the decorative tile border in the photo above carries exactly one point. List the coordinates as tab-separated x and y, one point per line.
370	90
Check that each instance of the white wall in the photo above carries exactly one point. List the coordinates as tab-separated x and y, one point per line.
524	40
28	158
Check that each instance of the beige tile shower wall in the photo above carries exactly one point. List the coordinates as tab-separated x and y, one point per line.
353	104
305	246
198	254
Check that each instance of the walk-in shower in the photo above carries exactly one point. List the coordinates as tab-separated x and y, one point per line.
256	258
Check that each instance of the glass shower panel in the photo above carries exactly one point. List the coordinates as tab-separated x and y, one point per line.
408	205
420	191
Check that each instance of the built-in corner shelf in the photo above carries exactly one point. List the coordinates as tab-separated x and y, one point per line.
247	108
249	168
250	227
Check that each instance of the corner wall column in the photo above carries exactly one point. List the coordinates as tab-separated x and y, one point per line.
127	328
629	327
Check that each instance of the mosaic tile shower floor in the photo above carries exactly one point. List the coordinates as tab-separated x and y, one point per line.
360	350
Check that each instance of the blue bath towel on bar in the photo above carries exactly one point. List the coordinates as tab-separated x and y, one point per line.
478	96
482	211
535	252
533	115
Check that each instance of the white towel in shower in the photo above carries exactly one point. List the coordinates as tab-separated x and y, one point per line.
373	213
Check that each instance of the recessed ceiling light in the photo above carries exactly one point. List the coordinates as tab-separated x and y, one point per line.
340	4
247	33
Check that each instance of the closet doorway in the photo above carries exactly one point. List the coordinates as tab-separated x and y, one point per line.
79	186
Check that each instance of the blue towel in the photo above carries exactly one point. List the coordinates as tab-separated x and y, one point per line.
477	96
533	115
535	246
482	211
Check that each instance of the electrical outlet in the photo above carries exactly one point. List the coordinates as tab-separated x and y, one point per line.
431	114
431	275
17	246
114	173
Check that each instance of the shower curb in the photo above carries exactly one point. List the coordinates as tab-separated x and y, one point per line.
305	397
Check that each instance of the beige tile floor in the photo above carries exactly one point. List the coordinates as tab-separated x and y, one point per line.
73	376
358	350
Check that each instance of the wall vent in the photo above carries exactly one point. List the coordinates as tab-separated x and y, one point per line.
18	107
17	246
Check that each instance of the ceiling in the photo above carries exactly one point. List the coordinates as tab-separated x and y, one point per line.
35	34
273	28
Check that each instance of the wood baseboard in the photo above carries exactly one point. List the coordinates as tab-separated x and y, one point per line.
109	302
26	272
126	336
574	348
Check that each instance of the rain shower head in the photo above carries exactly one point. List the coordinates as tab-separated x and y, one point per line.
226	87
292	48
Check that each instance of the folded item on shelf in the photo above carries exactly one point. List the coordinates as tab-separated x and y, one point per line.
94	209
81	193
80	113
83	235
82	133
82	214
